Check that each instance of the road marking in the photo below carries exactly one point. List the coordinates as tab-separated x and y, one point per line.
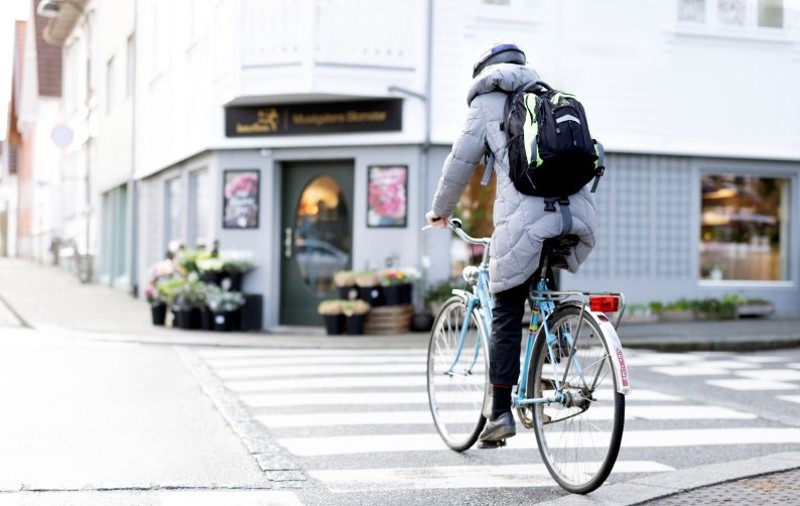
383	398
269	362
438	477
332	382
320	371
772	374
751	384
423	417
351	445
689	370
789	398
303	352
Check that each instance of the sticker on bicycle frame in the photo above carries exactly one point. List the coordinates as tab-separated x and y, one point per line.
623	369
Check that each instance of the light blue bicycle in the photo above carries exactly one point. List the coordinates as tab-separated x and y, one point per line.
573	375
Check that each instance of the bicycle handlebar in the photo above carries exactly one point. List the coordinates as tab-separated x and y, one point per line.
456	226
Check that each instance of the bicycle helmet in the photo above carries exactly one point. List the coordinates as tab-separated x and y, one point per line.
499	52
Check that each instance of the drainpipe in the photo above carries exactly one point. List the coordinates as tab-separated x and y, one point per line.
133	188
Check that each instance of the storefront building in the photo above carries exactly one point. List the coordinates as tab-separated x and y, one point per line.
311	135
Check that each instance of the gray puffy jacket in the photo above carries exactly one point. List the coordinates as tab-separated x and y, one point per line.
520	221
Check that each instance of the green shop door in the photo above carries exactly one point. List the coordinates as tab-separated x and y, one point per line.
316	222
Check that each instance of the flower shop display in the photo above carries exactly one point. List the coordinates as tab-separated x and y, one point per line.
224	306
369	289
355	312
345	282
398	285
158	305
331	311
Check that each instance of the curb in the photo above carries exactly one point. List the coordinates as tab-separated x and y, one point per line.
764	342
648	488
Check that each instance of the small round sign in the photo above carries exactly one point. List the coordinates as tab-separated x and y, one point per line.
61	135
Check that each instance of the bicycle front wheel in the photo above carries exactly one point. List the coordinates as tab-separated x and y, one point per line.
458	374
579	436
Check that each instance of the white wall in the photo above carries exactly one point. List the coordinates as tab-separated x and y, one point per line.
649	83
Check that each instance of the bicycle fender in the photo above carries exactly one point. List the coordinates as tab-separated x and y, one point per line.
464	294
620	368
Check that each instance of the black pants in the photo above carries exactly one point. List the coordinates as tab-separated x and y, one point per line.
506	338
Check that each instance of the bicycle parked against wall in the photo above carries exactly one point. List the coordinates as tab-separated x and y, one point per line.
573	377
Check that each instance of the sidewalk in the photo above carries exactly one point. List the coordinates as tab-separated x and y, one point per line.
48	299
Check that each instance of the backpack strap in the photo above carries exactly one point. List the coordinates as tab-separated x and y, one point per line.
566	214
601	164
487	172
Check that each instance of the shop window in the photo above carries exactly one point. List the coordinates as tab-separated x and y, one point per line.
732	13
744	231
199	212
172	210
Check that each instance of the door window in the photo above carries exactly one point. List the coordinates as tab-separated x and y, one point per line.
321	234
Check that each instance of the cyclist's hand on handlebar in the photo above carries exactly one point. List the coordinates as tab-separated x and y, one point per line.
435	221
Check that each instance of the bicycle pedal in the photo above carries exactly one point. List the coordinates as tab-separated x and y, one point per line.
490	445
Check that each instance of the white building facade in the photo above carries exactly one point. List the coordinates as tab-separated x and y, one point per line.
312	133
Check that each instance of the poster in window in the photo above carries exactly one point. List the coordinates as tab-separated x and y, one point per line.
387	195
240	199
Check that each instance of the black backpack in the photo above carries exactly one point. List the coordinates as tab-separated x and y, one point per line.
550	150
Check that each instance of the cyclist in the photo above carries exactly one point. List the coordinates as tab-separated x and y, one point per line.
521	222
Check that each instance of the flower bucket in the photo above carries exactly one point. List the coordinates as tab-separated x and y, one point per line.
226	321
158	313
372	294
334	324
396	295
354	325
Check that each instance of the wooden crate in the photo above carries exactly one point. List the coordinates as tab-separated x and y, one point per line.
389	319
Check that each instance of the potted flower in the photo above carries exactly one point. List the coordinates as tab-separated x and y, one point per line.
345	281
158	306
235	264
331	311
210	269
224	306
397	285
355	312
369	289
189	301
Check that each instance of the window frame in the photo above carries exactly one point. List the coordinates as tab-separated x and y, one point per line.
791	243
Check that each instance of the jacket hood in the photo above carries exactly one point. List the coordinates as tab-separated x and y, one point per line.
502	76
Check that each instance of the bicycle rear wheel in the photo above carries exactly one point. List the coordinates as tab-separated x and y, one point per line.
458	374
579	438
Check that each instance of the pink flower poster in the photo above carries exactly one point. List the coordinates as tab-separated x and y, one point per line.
240	204
387	196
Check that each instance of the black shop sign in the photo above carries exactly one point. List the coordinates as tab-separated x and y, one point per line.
316	118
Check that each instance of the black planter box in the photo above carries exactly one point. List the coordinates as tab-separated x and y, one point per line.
334	324
397	295
189	319
252	312
373	295
354	325
158	313
346	291
226	321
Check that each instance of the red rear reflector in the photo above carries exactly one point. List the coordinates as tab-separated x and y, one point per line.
604	304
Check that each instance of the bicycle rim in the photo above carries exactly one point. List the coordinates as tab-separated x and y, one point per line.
579	440
457	387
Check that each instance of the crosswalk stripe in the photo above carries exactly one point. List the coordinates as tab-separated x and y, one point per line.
771	374
789	398
319	371
420	417
315	360
752	384
213	353
383	398
351	445
438	477
329	383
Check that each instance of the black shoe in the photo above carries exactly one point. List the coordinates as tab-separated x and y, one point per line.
501	428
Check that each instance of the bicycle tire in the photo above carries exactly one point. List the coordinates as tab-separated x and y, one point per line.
579	441
457	389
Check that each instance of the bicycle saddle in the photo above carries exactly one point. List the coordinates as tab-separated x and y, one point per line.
558	248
